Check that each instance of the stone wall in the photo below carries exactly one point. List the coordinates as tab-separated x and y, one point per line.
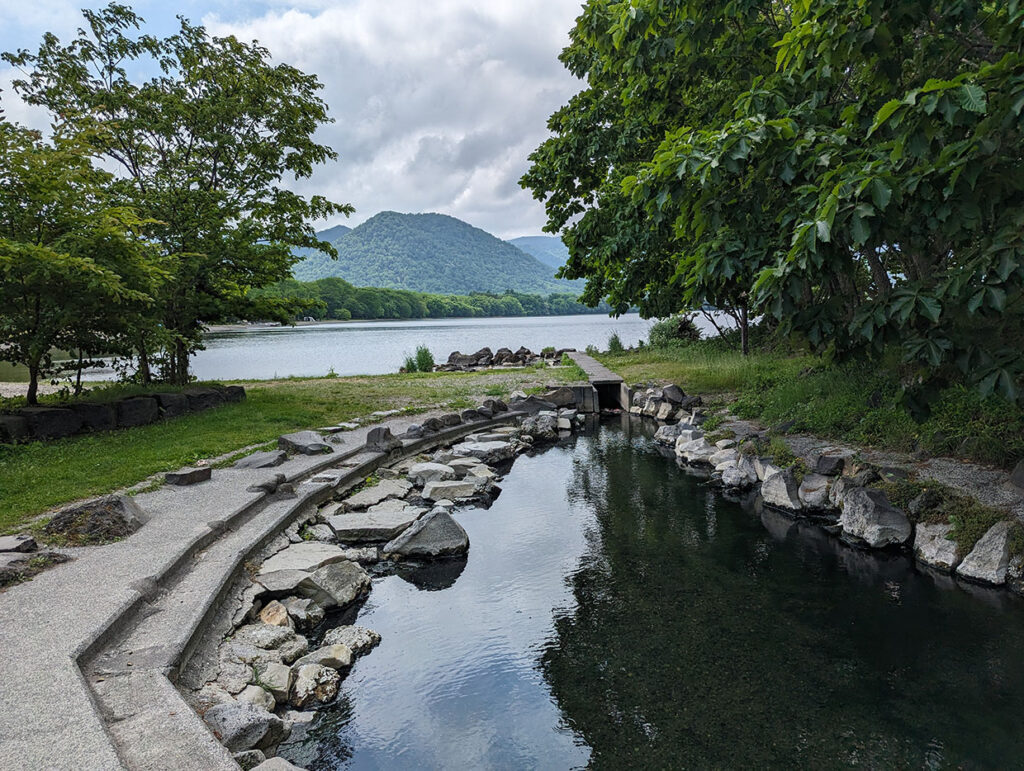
56	422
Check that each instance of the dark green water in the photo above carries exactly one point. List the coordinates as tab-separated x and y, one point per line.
616	613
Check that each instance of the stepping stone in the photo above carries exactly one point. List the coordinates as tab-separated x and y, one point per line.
306	556
387	488
435	491
188	476
381	524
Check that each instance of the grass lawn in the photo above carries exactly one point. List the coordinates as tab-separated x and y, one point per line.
39	476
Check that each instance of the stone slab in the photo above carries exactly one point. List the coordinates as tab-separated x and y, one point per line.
306	556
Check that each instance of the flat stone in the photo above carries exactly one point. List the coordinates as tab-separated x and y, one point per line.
17	543
335	656
560	397
263	635
453	489
357	639
188	476
307	556
263	459
422	473
283	582
380	523
436	534
304	443
337	585
990	557
934	547
314	685
868	515
489	452
386	488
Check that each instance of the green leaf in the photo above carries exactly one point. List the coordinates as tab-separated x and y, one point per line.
860	229
824	231
930	308
884	113
972	97
881	193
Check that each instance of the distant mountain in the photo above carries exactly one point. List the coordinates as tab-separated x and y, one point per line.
548	249
430	253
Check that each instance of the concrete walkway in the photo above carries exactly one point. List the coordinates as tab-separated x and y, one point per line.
126	613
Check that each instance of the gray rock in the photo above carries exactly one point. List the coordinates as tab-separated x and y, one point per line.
414	431
258	697
386	488
451	419
137	411
304	443
99	521
52	422
490	453
1017	476
249	759
814	491
203	398
379	523
334	656
171	405
422	473
277	678
314	685
307	556
305	612
17	543
241	726
188	476
338	584
720	456
322	533
470	416
780	488
263	459
366	555
454	489
741	475
830	465
531	405
380	439
14	429
278	764
266	636
673	393
694	450
934	547
96	417
281	583
868	515
560	397
989	559
357	639
436	534
293	649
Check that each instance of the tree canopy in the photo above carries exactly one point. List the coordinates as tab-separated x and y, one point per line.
850	167
201	148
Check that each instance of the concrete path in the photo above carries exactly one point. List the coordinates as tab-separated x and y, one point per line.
126	614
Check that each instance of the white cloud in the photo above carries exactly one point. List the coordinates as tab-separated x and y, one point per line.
437	104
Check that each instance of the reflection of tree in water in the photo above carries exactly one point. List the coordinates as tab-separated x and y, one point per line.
700	637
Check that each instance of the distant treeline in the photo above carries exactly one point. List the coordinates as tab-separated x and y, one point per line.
335	298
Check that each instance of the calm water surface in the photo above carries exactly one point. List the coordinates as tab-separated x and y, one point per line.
614	612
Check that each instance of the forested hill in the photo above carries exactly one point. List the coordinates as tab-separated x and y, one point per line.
548	249
431	253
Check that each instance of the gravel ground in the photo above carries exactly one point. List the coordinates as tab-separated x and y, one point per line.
20	389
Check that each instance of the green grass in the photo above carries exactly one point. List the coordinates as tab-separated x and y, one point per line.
39	476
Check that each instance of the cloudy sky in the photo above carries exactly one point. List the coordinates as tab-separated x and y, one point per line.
437	104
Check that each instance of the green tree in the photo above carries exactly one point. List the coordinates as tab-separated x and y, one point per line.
74	272
851	167
202	149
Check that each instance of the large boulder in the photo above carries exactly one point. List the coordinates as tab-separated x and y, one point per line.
266	636
781	489
314	685
934	547
171	405
694	450
531	405
203	398
869	517
560	397
96	417
990	557
304	443
434	535
14	429
137	411
241	726
357	639
52	422
673	393
814	491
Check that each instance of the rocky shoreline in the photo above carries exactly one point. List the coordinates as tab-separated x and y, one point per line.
867	505
284	658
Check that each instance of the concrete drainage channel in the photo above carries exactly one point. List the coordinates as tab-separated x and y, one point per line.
132	666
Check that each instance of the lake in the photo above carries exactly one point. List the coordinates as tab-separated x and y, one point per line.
616	612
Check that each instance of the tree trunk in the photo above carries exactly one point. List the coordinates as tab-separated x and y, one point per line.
33	383
180	363
145	376
78	374
744	330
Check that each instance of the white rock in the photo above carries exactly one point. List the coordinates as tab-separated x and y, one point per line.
990	557
814	491
665	411
422	473
868	515
780	489
723	456
335	656
564	424
357	639
277	678
725	444
258	697
933	546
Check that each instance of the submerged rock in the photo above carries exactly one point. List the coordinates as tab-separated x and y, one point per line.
436	534
868	516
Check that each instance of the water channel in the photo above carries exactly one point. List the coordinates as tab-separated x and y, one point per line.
616	612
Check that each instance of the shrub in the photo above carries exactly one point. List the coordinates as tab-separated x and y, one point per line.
424	359
410	364
674	331
615	344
